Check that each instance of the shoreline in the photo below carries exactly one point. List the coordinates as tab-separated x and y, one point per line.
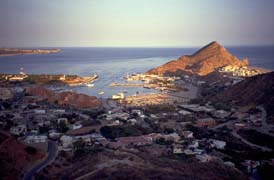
17	52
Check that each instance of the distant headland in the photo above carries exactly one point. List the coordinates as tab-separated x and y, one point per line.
17	51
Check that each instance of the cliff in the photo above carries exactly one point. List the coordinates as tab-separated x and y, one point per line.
202	62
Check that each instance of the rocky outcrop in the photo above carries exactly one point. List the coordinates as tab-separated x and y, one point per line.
65	98
203	62
5	94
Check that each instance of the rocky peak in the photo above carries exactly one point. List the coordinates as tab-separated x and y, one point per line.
202	62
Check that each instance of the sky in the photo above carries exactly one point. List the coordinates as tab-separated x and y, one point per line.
135	23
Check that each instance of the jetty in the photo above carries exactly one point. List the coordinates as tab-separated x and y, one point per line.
126	84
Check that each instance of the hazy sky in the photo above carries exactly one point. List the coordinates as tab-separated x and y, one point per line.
135	22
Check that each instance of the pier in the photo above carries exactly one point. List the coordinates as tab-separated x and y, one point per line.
126	85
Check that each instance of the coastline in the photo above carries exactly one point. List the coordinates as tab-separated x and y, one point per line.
16	52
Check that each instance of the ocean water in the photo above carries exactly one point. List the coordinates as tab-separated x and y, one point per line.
112	64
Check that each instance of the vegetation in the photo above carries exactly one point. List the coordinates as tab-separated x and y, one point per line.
257	137
112	132
159	108
31	150
162	141
266	171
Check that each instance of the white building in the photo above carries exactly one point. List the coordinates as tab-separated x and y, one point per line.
217	144
19	130
36	139
64	120
39	111
187	134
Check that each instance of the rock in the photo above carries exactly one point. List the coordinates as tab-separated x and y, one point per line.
5	94
65	98
203	62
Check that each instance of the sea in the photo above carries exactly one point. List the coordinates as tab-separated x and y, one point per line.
112	64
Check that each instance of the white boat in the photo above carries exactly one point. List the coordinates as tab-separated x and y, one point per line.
101	93
90	85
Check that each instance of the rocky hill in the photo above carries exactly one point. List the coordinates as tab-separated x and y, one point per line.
202	62
257	89
65	98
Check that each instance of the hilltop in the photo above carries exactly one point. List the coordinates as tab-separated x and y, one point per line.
202	62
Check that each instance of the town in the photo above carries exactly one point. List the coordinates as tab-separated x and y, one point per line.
198	131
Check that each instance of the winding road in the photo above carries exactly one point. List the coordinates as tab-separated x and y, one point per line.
52	153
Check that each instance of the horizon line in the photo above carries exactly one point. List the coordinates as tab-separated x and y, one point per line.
196	46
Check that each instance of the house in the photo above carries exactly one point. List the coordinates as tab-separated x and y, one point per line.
187	134
203	157
132	121
171	137
217	144
39	111
77	125
194	144
115	123
206	122
66	143
63	120
54	134
58	111
32	139
19	130
118	96
123	142
184	112
137	111
37	141
221	114
178	149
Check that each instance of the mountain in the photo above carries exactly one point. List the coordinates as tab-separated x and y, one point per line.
202	62
257	89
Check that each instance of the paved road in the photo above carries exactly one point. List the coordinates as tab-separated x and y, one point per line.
235	134
52	153
266	128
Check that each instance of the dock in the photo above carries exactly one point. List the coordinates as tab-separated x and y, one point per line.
126	85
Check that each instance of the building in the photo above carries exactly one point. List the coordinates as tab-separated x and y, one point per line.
118	96
187	134
178	149
77	125
206	122
203	157
217	144
39	111
184	112
19	130
32	139
64	120
171	137
58	111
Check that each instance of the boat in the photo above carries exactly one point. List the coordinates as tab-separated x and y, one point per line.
101	93
90	85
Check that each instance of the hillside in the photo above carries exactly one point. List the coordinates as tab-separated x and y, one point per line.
14	157
202	62
257	89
